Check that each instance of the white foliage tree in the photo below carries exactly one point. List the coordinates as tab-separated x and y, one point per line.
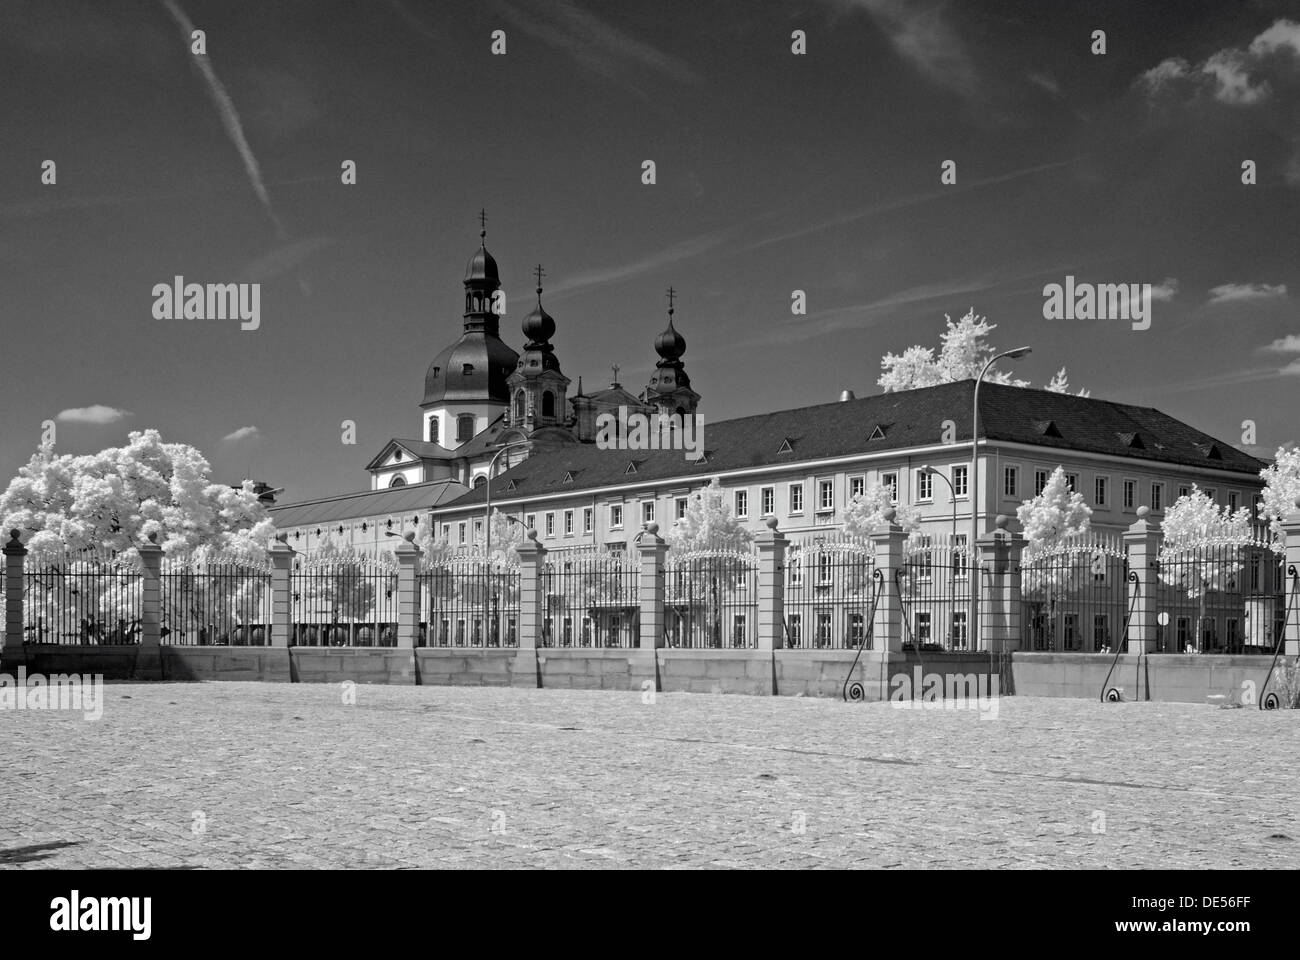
1201	552
1060	383
708	524
1281	488
1050	521
866	511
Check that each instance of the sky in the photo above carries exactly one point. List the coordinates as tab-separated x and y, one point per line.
774	172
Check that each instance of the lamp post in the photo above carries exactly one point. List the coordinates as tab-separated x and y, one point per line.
973	626
487	516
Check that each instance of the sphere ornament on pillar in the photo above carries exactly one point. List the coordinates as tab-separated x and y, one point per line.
531	534
771	523
652	528
13	536
1002	521
1143	512
889	514
153	537
283	536
409	536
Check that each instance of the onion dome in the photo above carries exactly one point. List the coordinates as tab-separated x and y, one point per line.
670	344
538	326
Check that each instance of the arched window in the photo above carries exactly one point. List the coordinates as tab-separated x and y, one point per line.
398	481
548	404
465	427
433	429
519	405
480	480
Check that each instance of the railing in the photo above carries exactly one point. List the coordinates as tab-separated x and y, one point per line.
934	585
470	601
343	602
215	601
828	593
1074	595
592	598
711	599
89	597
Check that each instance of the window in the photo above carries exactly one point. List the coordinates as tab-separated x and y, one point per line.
460	532
890	480
924	486
767	500
550	524
566	632
740	630
1100	632
959	475
1212	493
1157	496
826	495
923	628
467	370
794	629
548	404
648	512
857	630
1010	482
587	519
796	498
568	523
742	503
530	522
1184	491
1234	499
398	481
681	507
446	531
959	631
1130	491
1099	490
616	515
433	429
825	571
794	564
959	565
1071	631
465	427
1040	481
1072	482
857	486
823	638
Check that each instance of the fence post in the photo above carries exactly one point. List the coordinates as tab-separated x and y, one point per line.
281	591
771	545
1142	544
408	593
650	591
149	660
1291	596
13	653
532	591
999	585
887	544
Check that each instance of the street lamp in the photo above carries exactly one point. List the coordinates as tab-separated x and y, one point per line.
932	471
973	626
487	517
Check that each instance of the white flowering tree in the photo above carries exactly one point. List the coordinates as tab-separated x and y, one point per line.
963	350
708	524
1050	521
1281	489
866	511
1202	550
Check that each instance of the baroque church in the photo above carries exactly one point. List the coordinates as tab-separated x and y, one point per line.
485	402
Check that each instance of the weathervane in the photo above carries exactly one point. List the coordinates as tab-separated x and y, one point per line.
614	366
539	273
482	223
671	294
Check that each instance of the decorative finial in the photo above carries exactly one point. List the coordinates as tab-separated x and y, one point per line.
771	523
580	385
1143	511
671	295
13	536
532	534
614	367
283	536
889	514
482	224
652	528
1002	521
153	537
409	536
539	273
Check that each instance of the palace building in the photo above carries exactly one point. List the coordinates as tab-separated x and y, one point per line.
488	407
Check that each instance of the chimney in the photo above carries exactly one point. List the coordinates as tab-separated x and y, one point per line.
846	395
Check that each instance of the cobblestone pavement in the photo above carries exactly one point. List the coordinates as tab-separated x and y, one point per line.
279	775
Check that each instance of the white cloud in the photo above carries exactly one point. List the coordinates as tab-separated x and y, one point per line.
1231	79
1165	290
1292	369
244	433
1288	344
96	413
1283	34
1236	292
1163	73
1234	74
921	34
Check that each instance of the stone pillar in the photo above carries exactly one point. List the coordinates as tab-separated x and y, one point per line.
148	664
408	593
12	653
654	550
281	592
1142	543
887	543
771	545
1291	594
997	578
532	592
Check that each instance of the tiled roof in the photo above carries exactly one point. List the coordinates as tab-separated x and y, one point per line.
896	421
368	503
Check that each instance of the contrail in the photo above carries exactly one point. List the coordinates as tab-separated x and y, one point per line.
229	119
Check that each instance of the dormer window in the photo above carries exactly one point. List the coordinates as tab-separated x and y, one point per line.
467	370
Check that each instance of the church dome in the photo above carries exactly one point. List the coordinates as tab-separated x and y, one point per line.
670	344
482	266
538	326
474	368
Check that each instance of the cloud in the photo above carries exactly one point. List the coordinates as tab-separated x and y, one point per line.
1233	75
1292	369
1165	73
1285	34
687	249
229	118
243	433
1237	292
1045	82
921	34
1229	68
1165	290
96	413
1288	344
595	44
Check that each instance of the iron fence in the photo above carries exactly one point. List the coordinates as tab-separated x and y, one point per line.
711	599
88	597
829	593
935	587
215	601
1074	595
344	602
592	598
470	601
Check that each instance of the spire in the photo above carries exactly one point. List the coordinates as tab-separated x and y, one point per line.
538	326
670	345
482	281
